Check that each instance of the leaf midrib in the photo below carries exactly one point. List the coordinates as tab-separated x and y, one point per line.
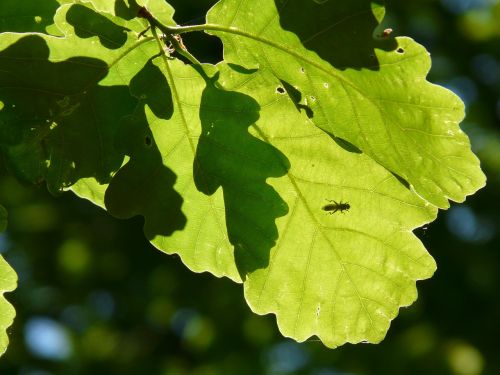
179	104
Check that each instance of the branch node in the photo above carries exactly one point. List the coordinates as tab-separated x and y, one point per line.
144	13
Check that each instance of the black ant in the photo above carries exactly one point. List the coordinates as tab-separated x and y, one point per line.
331	208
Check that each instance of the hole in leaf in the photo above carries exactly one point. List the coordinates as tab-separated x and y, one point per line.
400	50
147	141
280	90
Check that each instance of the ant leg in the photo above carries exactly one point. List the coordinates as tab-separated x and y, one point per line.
143	32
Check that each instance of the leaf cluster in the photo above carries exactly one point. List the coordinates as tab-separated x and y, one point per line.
233	165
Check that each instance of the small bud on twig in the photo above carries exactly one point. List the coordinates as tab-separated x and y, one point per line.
386	32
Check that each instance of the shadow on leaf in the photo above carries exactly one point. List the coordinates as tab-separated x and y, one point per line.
145	186
57	123
88	23
296	98
229	156
127	10
347	146
26	16
340	32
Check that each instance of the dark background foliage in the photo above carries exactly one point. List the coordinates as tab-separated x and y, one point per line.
94	297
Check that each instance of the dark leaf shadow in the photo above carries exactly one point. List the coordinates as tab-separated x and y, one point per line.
296	97
228	156
347	146
88	23
126	11
402	181
340	32
57	124
145	186
26	16
241	69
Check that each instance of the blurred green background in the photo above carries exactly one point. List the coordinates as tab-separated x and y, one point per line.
95	298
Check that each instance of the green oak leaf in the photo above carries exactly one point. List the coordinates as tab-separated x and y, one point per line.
363	88
63	98
8	282
340	276
88	188
139	187
163	134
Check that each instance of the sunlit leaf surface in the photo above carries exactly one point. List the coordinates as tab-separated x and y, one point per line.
8	282
360	86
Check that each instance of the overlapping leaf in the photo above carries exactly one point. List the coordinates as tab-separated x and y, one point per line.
371	93
8	282
139	188
159	139
64	98
345	280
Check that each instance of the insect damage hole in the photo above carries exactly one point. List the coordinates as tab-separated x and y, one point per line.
280	90
147	141
334	206
400	50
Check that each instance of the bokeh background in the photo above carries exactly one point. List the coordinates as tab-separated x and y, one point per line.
95	298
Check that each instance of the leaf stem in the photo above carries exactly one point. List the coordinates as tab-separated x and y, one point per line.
181	49
171	36
178	30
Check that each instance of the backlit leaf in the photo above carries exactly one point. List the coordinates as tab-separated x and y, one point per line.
8	282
